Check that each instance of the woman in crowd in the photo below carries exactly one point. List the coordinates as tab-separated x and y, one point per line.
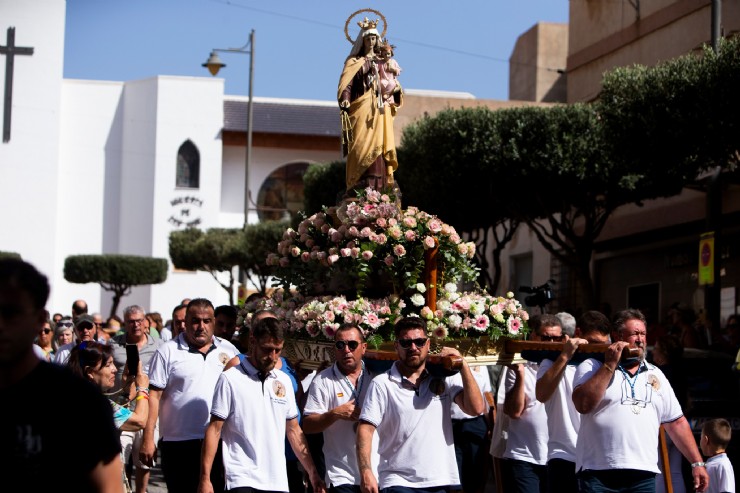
64	333
46	340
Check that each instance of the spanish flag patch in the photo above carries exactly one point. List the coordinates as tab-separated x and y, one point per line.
340	394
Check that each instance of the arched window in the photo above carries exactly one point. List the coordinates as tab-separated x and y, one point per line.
281	195
188	166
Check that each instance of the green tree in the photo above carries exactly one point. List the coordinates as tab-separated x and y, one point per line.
13	255
322	184
115	273
449	167
262	239
677	118
217	250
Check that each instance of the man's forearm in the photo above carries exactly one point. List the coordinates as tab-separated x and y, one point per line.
364	446
550	380
317	423
472	396
151	421
298	443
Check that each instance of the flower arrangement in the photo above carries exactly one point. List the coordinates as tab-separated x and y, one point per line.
367	244
458	314
363	262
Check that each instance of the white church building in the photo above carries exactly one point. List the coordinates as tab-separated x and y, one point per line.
91	167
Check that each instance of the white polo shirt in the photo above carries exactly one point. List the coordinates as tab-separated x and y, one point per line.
414	429
187	378
253	435
563	420
622	431
721	474
330	389
484	384
528	434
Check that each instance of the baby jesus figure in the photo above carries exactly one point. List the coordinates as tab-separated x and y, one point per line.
388	71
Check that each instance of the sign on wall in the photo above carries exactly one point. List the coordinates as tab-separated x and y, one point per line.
186	212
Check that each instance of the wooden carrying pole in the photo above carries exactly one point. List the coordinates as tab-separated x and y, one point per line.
664	459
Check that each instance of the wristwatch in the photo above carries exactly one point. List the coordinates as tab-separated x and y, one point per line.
697	464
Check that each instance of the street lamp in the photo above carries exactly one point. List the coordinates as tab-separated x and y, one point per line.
214	64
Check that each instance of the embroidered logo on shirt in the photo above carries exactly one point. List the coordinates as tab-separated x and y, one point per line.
278	388
224	358
654	382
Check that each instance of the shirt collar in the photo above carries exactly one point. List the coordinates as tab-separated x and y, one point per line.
250	370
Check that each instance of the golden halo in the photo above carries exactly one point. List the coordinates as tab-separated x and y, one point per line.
382	17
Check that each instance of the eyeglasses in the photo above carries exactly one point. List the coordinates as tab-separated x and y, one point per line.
135	321
45	330
551	338
406	343
342	344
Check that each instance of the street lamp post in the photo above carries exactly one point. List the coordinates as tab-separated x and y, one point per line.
214	64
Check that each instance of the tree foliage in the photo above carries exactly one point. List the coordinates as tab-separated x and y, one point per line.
115	273
679	117
13	255
322	184
262	239
215	250
219	250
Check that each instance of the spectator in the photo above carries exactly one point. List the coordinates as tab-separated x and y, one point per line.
84	330
79	307
715	437
225	322
46	341
64	333
178	320
133	320
183	374
43	456
156	325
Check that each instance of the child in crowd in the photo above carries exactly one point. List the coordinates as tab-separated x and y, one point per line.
715	436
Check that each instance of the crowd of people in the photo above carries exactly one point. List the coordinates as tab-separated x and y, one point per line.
221	410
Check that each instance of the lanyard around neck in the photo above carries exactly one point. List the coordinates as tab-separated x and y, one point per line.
630	381
360	380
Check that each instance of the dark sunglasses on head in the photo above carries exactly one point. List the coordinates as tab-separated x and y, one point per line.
406	343
64	324
45	330
342	344
551	338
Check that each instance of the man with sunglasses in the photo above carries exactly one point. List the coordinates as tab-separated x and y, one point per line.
86	331
555	389
410	409
333	408
526	445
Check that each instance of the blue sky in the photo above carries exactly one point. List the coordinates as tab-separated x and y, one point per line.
300	45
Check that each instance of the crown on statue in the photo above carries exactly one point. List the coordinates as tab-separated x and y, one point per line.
366	24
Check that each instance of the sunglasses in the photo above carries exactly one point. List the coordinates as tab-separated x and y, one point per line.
406	343
342	344
551	338
45	331
64	324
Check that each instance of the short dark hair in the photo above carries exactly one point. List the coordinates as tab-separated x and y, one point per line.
624	316
269	326
544	320
178	308
593	321
409	323
20	275
718	431
79	307
228	310
200	303
88	354
346	327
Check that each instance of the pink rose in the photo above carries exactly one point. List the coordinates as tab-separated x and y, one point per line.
345	252
295	251
367	255
399	251
388	261
410	235
434	225
284	261
409	222
429	242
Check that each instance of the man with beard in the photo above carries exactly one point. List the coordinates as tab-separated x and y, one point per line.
253	408
411	411
182	375
333	407
623	403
